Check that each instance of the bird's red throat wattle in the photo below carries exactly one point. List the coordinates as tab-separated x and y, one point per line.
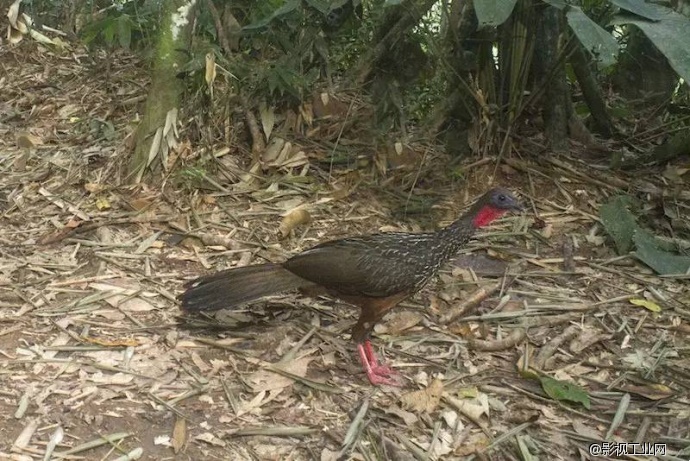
487	214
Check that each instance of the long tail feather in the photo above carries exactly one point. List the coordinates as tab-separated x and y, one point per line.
238	285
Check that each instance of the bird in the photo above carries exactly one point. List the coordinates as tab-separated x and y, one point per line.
374	272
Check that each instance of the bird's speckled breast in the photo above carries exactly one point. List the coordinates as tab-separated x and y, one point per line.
401	262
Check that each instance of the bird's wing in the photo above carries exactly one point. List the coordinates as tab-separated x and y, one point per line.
352	267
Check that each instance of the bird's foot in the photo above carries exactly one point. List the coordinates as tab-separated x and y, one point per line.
377	372
384	375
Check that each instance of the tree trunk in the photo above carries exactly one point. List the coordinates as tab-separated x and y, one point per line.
455	112
552	69
591	91
152	143
644	72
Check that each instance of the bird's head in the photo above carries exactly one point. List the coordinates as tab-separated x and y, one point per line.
492	205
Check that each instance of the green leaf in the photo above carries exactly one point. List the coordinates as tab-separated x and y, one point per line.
273	82
619	222
109	32
593	37
562	390
639	7
288	7
124	31
321	6
560	4
663	262
493	13
671	35
321	47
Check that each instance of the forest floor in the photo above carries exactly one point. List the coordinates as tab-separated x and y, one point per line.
97	361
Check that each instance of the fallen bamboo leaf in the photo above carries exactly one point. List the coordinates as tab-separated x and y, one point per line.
272	151
283	155
267	119
269	379
655	391
58	202
132	455
103	440
523	446
408	418
355	428
619	416
255	402
55	439
306	381
22	441
472	409
23	404
278	431
293	160
586	430
587	338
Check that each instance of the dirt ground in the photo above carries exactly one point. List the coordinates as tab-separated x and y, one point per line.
98	363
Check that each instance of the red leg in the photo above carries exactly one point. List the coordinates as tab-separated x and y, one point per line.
376	372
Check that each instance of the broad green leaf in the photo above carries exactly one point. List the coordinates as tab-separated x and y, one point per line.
619	222
124	31
593	37
320	5
640	8
560	4
109	30
562	390
648	250
288	7
671	35
493	13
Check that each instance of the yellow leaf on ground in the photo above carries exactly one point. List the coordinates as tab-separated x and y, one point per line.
102	203
649	305
292	220
179	436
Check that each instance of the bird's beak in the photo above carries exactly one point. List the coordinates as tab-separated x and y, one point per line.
517	207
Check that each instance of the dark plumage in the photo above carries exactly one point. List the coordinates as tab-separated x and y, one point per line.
374	272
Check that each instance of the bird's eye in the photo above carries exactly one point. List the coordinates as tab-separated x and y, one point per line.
501	198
